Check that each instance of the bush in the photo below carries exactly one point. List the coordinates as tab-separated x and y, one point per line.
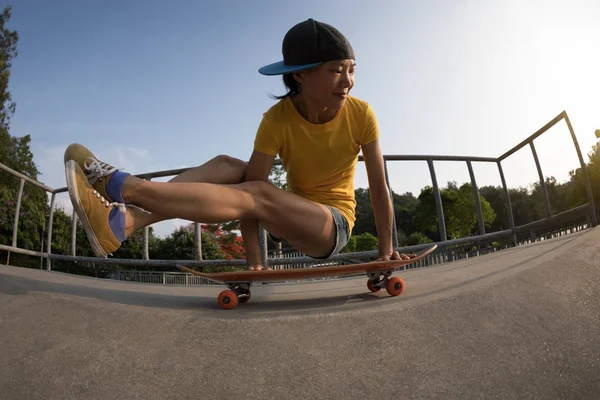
417	238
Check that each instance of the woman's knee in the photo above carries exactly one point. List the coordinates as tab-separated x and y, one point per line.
231	162
263	194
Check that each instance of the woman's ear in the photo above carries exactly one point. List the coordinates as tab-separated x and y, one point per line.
299	76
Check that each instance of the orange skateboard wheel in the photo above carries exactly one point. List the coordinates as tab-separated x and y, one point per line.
395	286
371	287
228	299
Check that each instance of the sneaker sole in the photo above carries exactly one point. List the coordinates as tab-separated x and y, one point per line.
76	200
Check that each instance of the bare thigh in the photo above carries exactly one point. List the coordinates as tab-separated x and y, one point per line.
306	225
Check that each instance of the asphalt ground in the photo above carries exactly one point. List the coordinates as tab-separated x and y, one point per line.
521	323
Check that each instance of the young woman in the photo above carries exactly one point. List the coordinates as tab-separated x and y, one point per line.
317	129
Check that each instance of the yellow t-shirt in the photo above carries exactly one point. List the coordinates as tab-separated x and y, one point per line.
319	159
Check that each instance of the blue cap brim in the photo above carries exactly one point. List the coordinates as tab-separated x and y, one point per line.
279	68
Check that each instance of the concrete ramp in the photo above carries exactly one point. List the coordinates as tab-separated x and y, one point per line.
517	324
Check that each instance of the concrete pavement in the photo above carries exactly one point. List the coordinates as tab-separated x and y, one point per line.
516	324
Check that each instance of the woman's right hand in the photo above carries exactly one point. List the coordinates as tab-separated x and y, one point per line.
258	268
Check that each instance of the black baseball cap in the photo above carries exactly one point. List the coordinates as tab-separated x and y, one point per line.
309	44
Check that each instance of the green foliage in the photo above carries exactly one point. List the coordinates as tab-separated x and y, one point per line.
61	232
31	217
180	246
417	238
402	238
405	206
460	213
496	198
366	242
362	242
365	221
277	177
8	51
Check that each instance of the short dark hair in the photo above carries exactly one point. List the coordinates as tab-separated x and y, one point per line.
293	87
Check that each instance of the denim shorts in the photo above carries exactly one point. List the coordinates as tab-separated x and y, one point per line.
342	233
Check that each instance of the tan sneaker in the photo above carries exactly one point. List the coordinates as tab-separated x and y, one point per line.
103	221
96	171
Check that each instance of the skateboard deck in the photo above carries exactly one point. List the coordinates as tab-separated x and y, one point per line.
239	282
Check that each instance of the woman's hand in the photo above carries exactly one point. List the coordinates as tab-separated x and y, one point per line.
258	268
396	256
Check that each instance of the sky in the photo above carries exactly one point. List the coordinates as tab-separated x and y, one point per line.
150	85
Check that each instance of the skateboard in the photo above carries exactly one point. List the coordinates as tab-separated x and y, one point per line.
379	275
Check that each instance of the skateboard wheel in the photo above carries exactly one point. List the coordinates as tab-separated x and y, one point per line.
395	286
371	287
228	299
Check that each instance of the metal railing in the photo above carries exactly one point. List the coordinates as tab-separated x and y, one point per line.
549	223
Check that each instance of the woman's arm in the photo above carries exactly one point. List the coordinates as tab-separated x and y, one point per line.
259	168
380	199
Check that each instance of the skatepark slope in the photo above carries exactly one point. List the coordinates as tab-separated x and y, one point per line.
515	324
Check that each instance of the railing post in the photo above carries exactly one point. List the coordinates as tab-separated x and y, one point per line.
16	220
542	180
264	255
511	219
477	199
588	186
42	245
198	241
438	201
74	233
394	228
17	211
49	239
145	249
145	235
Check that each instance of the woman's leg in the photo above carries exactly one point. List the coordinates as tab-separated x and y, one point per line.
221	170
306	225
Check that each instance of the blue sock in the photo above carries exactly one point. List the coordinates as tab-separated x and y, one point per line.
115	184
116	221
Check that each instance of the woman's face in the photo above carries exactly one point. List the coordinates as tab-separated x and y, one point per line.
327	85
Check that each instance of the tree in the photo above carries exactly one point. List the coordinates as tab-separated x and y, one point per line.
405	206
180	246
16	153
365	221
277	177
416	238
8	51
558	196
496	198
460	212
366	242
362	242
230	243
578	193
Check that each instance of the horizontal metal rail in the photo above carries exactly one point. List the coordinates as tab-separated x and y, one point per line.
26	178
536	134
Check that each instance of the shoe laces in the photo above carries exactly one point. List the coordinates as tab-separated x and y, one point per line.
121	206
107	203
97	169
